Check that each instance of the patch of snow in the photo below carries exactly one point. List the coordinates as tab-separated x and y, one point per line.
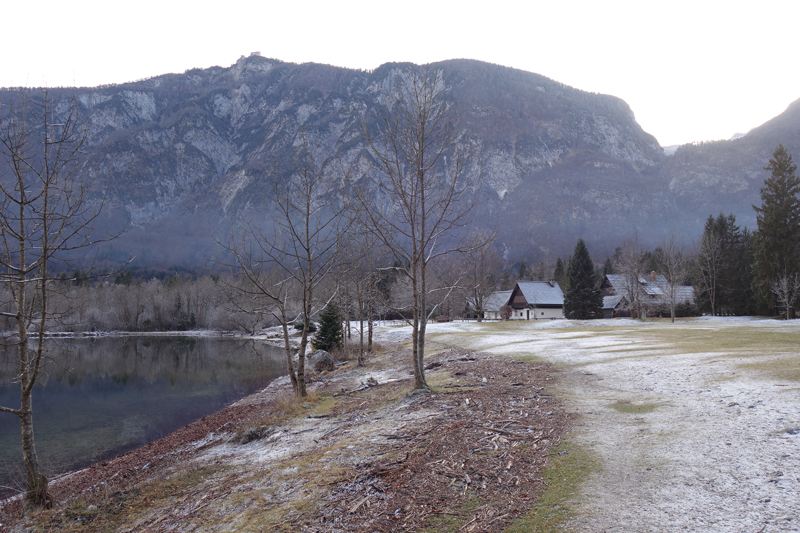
234	184
303	112
91	100
220	151
222	105
141	105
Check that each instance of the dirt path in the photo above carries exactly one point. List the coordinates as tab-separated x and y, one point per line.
696	425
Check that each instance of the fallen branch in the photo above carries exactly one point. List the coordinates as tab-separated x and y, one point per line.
507	433
359	504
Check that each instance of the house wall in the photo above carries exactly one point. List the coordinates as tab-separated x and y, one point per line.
547	314
518	314
541	314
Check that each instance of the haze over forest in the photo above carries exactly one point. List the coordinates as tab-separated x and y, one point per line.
184	154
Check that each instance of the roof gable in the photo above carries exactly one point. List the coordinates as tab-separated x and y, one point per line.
540	292
497	300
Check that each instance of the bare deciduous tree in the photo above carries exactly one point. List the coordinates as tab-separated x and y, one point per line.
629	262
785	288
250	304
45	211
364	254
710	264
419	197
674	271
299	252
483	263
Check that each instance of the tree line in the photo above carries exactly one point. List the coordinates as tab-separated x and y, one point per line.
733	271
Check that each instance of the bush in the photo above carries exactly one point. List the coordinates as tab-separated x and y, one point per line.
299	326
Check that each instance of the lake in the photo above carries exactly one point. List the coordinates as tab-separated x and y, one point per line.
99	397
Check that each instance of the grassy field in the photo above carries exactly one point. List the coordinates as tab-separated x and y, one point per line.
648	383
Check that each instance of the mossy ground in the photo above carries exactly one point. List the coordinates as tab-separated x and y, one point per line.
569	466
638	408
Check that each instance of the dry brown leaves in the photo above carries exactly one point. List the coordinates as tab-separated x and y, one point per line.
477	465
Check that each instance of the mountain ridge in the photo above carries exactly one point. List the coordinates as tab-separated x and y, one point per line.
556	163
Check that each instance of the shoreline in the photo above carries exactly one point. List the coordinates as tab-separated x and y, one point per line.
159	484
107	388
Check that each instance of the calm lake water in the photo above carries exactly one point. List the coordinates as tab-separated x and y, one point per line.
104	396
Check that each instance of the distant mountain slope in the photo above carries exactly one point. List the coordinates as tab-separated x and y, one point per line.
728	175
182	153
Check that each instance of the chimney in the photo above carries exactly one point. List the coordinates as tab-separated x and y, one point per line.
652	276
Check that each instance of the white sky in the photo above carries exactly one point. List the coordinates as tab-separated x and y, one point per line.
690	70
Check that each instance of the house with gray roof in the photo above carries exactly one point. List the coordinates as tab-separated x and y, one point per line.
536	300
653	293
614	306
493	304
529	300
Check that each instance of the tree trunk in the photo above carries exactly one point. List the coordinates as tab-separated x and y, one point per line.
300	391
288	349
418	329
360	361
370	318
36	495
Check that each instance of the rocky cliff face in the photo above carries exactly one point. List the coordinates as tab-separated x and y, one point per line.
184	152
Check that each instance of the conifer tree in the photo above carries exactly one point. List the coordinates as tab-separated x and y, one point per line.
723	276
583	298
506	283
523	272
608	267
540	275
560	273
329	335
776	242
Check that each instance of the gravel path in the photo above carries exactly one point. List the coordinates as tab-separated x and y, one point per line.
691	436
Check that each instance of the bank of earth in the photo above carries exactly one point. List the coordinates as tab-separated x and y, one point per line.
359	454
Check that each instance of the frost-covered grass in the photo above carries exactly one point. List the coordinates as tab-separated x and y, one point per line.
691	425
783	368
735	336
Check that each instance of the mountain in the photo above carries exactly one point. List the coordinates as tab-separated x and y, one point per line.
181	154
728	175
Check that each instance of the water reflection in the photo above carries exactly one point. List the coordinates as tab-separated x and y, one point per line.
102	396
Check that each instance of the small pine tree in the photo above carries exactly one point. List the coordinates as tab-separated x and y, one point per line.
583	298
329	334
123	278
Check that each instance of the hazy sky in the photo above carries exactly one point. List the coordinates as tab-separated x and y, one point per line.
690	70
